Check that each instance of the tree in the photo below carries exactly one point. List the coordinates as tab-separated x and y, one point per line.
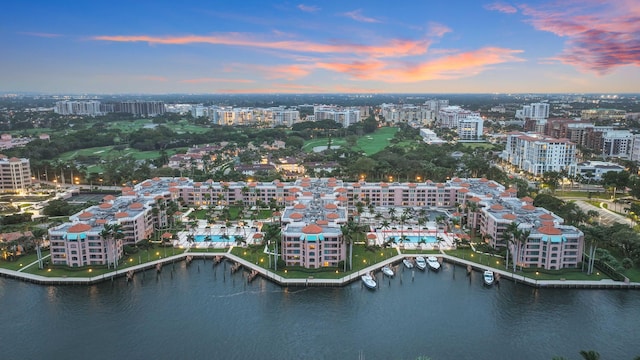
112	234
511	232
551	179
615	180
589	355
349	232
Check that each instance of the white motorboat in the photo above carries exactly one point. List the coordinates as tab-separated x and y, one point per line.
407	263
433	263
387	271
421	263
488	278
369	281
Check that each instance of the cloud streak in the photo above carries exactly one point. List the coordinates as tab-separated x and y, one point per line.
308	8
392	48
452	66
501	7
601	35
358	16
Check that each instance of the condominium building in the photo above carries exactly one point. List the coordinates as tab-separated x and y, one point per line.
536	111
470	128
15	174
140	107
314	210
449	117
344	116
90	108
396	113
603	114
537	154
549	244
535	116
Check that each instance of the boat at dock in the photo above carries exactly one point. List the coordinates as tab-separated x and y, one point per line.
387	271
433	263
488	277
369	281
407	263
421	263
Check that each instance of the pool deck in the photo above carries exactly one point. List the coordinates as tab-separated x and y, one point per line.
311	281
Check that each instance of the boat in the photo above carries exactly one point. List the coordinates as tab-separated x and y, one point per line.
387	271
368	281
488	277
433	263
407	263
421	263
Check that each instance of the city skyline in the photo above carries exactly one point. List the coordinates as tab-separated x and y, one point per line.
321	47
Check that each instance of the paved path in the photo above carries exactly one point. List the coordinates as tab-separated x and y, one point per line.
33	263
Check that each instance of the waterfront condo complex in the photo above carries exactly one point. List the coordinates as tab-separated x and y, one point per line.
313	211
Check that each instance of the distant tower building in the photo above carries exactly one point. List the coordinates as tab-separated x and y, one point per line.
90	108
141	108
15	174
449	116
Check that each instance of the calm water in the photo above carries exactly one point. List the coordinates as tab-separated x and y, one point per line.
214	238
196	313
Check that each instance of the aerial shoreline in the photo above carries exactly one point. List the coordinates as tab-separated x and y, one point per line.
311	281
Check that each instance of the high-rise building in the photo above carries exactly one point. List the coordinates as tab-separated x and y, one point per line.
470	128
449	116
537	154
90	108
15	174
141	108
344	116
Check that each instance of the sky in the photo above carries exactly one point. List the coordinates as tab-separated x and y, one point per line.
329	46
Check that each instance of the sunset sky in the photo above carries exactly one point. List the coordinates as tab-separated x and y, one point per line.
416	46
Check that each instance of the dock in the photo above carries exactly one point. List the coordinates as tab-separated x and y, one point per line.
315	282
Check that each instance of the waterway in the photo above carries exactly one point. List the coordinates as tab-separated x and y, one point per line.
201	312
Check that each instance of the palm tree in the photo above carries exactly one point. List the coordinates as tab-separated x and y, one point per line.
511	232
112	233
589	355
520	240
349	230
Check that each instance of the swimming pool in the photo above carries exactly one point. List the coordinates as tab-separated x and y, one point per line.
414	239
214	238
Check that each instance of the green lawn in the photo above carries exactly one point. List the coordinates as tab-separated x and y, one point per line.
478	145
309	145
369	144
127	261
103	152
21	261
540	274
373	143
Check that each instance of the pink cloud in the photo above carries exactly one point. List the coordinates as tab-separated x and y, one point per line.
216	80
501	7
600	35
357	16
392	48
453	66
308	8
437	29
276	89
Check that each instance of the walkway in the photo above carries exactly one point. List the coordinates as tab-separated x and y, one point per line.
311	281
33	263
